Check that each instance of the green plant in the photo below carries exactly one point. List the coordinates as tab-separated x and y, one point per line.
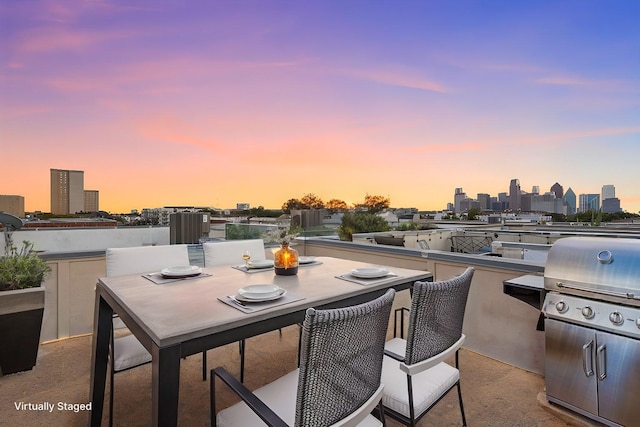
361	222
22	268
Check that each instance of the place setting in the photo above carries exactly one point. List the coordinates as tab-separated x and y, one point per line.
258	297
305	261
175	273
368	275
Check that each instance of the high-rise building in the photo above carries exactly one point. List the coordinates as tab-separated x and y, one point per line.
91	200
611	205
484	200
535	190
458	197
589	202
67	191
570	199
515	195
608	192
12	204
558	190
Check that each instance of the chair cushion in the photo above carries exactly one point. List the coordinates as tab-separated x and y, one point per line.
128	353
280	396
428	386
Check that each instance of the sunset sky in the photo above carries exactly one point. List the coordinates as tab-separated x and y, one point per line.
213	103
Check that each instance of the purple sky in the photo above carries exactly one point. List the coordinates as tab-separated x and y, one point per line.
212	103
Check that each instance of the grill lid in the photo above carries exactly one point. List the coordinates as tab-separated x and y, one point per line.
604	266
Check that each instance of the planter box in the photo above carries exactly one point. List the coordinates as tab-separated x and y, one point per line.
20	324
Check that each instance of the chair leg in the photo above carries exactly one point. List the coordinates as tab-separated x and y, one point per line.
212	399
464	419
242	345
112	375
204	365
381	412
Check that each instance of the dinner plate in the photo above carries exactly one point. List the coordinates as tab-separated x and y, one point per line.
274	293
306	259
261	263
259	291
369	272
181	271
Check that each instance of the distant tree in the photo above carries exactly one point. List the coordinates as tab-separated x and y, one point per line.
291	204
239	232
473	213
407	226
336	205
375	204
311	201
361	222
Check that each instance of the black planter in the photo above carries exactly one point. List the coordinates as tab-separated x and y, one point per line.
21	314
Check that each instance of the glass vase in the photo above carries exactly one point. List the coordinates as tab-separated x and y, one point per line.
285	261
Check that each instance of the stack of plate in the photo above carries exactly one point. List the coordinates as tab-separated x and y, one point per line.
259	293
369	272
180	271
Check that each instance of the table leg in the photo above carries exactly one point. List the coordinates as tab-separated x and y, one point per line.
100	357
165	385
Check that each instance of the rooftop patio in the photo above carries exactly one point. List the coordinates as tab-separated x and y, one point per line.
501	363
494	393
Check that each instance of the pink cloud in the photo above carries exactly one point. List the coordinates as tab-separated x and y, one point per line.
404	78
55	39
580	81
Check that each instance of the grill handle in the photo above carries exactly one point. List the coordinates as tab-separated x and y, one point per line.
601	362
586	355
628	295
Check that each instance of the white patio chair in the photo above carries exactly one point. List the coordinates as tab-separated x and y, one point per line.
230	251
338	382
126	351
435	334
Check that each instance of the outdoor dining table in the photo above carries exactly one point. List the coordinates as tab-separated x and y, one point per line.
184	317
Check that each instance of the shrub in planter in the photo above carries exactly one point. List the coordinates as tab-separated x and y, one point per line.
22	272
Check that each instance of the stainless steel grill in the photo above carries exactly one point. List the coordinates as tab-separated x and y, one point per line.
592	327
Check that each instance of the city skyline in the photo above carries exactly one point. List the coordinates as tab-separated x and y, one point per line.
221	103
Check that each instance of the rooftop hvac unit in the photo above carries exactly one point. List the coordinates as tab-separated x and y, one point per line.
188	227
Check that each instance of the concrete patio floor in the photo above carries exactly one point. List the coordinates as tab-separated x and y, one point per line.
494	393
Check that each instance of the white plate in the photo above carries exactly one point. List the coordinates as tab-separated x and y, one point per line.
181	271
369	272
258	292
306	259
261	263
260	298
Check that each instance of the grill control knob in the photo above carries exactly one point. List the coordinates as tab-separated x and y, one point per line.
638	322
616	318
588	312
562	307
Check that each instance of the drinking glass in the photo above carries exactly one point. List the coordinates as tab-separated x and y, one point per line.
246	256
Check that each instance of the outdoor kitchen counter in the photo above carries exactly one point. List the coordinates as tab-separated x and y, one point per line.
529	289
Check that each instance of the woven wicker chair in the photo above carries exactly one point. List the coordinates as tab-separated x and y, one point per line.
126	352
338	382
435	334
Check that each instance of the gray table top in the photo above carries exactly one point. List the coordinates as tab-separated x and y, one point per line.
176	312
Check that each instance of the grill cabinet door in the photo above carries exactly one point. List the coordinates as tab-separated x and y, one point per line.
570	364
618	391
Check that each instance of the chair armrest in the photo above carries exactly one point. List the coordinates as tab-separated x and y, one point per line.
432	361
253	402
393	355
